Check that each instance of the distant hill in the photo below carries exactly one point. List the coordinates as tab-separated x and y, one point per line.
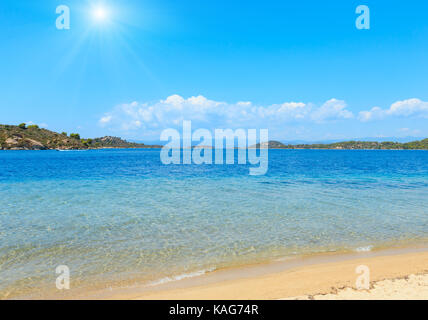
32	137
372	139
115	142
270	144
350	145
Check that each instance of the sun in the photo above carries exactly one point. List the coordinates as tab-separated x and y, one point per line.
100	14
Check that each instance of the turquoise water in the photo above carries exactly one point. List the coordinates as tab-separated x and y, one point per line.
121	217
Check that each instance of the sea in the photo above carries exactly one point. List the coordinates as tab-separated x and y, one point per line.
120	217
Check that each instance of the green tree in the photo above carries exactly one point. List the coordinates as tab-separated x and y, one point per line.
22	125
87	142
33	126
75	136
64	133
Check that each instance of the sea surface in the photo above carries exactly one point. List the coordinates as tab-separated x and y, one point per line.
122	218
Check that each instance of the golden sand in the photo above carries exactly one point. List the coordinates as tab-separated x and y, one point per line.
397	276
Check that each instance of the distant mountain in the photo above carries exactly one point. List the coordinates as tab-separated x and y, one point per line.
32	137
350	145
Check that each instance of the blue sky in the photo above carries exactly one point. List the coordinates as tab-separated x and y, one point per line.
299	68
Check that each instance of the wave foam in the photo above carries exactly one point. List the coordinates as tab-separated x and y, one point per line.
180	277
364	249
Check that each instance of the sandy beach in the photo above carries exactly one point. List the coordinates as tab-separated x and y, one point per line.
393	275
414	287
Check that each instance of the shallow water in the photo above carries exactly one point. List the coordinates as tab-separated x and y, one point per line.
118	217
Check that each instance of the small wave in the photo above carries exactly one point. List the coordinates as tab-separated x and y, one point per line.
180	277
364	249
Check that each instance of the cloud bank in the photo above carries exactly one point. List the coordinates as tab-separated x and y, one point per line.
216	114
406	108
152	118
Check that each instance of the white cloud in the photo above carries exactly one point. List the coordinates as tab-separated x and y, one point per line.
374	113
332	109
206	113
105	119
406	108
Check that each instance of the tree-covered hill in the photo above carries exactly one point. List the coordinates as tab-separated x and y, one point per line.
23	137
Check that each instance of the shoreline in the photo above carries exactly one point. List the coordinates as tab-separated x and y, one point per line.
160	147
297	278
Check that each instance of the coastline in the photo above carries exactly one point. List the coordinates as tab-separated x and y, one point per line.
196	147
402	272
